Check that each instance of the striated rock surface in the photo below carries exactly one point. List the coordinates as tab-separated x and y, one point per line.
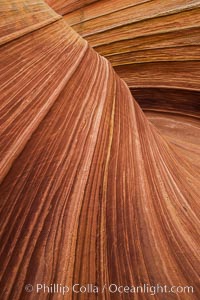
67	6
19	17
139	31
91	192
155	47
150	43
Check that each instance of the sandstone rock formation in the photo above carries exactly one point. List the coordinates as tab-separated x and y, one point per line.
91	191
155	47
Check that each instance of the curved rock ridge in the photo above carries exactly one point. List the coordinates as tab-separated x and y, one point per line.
19	17
33	73
155	47
151	44
91	191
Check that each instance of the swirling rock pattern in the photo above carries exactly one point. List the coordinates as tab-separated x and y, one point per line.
91	191
155	47
19	17
150	43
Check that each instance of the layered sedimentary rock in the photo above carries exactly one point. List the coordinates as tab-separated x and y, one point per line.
150	43
66	6
19	17
91	191
155	47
